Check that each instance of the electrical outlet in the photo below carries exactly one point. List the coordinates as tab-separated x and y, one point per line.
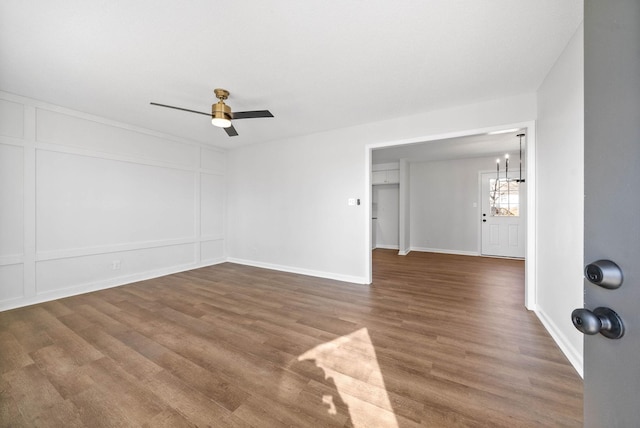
351	202
115	265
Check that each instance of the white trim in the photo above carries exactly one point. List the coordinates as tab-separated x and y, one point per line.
11	141
385	166
300	271
102	120
29	286
118	157
404	210
574	357
444	251
197	209
486	256
101	285
388	247
368	217
107	249
531	256
13	259
479	210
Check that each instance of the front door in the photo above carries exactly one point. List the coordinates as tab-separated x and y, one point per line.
612	206
503	213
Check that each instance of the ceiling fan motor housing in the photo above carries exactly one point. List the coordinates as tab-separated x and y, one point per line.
220	110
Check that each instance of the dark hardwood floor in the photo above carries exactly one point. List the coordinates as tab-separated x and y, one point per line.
437	340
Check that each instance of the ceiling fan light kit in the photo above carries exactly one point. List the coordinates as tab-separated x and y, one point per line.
220	112
221	115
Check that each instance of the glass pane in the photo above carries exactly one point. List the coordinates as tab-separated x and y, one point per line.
504	197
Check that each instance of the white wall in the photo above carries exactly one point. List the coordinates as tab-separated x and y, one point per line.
288	199
288	207
386	207
443	194
405	208
560	195
78	193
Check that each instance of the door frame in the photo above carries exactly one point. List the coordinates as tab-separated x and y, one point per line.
530	250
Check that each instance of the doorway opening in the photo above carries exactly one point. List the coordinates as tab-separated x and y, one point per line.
385	216
455	152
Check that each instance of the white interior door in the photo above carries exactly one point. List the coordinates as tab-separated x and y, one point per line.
503	215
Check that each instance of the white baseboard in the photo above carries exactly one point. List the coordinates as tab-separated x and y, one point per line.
142	276
308	272
102	285
443	251
574	356
403	252
388	247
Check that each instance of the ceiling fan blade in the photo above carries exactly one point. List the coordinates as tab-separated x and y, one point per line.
231	131
251	114
180	108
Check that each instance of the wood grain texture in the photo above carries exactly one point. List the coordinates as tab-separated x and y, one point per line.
437	340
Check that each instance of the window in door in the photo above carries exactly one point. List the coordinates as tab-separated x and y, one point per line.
504	197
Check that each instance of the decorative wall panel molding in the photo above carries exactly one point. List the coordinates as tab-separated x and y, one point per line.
88	203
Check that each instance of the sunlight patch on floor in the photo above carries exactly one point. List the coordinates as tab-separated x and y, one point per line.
350	363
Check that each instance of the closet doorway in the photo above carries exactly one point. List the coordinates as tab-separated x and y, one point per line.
385	216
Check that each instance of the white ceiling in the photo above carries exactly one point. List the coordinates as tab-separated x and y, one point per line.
316	65
472	146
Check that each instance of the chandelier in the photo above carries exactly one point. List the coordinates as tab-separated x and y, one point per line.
506	165
505	192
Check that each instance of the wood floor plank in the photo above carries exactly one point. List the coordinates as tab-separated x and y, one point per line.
208	383
194	406
65	414
437	340
32	391
9	411
14	355
62	370
169	418
97	409
30	338
79	349
125	357
124	390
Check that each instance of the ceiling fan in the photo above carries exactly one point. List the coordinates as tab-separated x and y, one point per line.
221	115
